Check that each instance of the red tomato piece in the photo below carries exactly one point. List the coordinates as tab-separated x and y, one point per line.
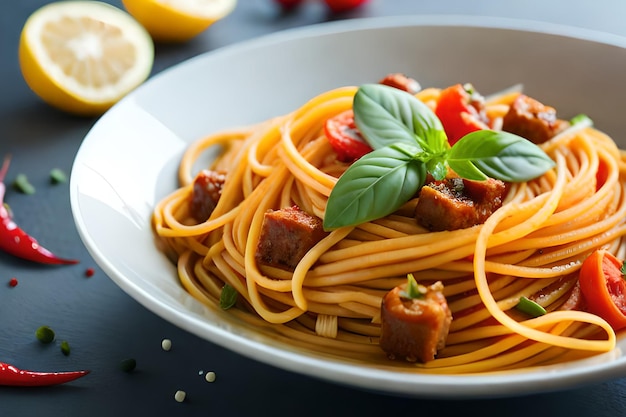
460	113
338	6
345	138
604	288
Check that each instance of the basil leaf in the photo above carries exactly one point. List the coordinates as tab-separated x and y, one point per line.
500	155
385	115
374	186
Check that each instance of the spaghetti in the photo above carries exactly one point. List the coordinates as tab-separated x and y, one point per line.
533	246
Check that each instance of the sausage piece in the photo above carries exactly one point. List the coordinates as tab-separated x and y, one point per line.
401	82
414	329
532	120
458	203
207	189
286	236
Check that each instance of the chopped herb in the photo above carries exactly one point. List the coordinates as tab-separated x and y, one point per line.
413	289
22	184
65	347
128	365
44	334
623	268
228	297
57	176
528	306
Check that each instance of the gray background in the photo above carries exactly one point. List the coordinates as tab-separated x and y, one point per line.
105	326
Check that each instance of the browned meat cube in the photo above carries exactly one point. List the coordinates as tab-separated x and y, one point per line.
457	203
414	329
207	189
401	82
286	236
532	120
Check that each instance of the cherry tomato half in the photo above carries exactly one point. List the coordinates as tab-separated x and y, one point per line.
345	138
459	113
604	288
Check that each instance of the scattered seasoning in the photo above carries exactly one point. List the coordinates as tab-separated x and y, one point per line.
13	282
89	272
22	184
228	297
65	348
180	396
13	376
128	365
57	176
210	376
166	344
16	241
44	334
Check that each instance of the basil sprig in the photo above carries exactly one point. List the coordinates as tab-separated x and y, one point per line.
409	141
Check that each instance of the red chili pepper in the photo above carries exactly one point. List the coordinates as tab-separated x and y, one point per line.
13	376
16	241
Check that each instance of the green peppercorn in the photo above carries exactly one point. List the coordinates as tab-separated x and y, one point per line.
65	347
128	365
44	334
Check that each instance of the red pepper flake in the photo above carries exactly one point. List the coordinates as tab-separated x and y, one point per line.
13	282
89	272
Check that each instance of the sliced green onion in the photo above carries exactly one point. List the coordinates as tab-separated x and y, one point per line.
581	118
22	184
44	334
530	307
413	289
57	176
228	297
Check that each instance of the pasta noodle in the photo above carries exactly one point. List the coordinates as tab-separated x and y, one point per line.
533	246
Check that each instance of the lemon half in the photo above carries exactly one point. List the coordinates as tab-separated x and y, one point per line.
178	20
84	56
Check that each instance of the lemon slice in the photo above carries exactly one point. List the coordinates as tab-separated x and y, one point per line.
178	20
84	56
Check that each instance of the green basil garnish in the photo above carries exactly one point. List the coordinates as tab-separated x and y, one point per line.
409	141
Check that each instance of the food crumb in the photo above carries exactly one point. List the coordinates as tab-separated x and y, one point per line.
166	344
89	272
210	376
180	396
13	282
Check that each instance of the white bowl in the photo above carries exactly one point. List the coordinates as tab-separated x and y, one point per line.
128	160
